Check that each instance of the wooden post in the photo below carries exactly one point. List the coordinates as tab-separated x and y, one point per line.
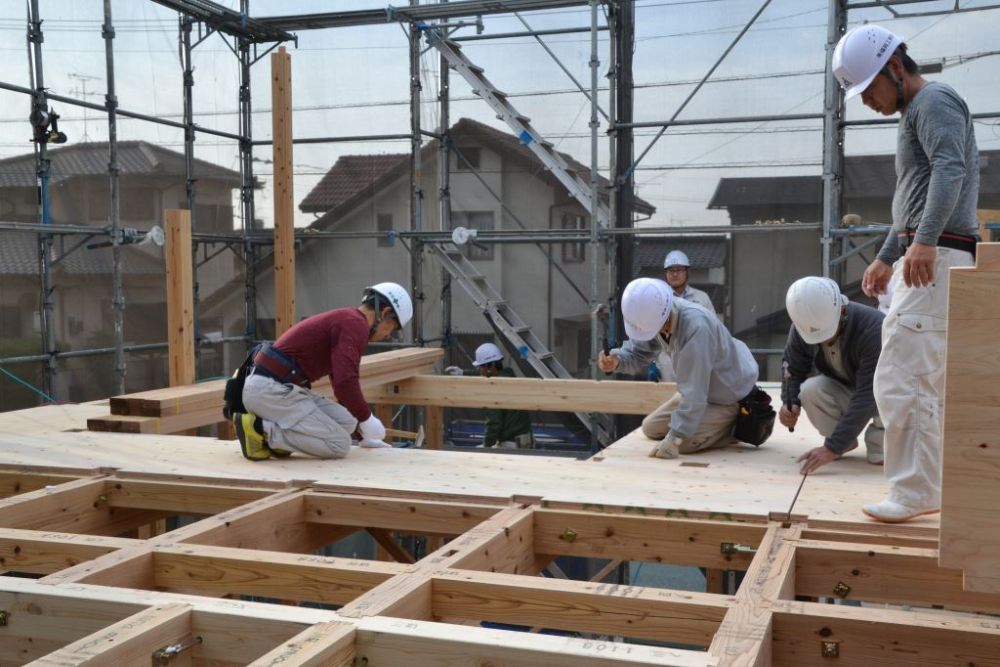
180	297
284	196
434	426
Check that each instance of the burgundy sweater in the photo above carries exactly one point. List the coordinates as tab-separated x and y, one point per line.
331	343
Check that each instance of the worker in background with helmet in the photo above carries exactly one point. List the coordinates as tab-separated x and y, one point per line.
714	370
676	267
283	416
842	341
933	229
505	429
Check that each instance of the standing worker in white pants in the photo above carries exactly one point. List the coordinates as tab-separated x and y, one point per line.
283	416
714	370
842	341
934	228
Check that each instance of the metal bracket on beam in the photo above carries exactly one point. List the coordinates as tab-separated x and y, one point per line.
163	656
4	617
731	548
841	590
830	649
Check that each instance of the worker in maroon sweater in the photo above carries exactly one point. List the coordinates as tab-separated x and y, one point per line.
283	416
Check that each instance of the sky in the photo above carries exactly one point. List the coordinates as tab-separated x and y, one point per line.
354	81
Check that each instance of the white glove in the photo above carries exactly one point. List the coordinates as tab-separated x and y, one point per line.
374	444
372	429
453	370
668	448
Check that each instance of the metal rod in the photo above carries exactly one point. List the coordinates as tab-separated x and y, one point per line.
416	187
335	140
117	290
99	351
247	190
444	196
895	121
701	83
833	136
725	120
529	33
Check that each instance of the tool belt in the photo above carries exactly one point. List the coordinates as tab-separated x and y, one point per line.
271	362
951	240
755	421
232	401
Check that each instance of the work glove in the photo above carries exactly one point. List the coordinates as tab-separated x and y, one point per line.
372	429
668	448
374	444
453	370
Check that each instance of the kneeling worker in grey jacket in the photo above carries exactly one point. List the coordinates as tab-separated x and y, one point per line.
842	341
714	370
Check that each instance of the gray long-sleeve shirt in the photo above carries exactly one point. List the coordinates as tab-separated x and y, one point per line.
711	365
937	170
860	343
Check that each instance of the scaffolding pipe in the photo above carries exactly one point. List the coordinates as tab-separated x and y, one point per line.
444	196
595	229
43	164
117	291
724	120
100	351
190	183
528	33
335	140
247	190
416	189
833	136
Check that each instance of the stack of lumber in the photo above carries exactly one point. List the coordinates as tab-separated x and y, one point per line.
176	409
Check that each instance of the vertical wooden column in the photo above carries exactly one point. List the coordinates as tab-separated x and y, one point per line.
970	480
284	195
180	296
434	426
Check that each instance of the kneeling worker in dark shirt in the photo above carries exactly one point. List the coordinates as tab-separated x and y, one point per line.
284	416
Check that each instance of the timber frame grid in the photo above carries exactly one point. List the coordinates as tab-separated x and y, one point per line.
205	18
103	599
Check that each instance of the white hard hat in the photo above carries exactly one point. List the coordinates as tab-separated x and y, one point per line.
676	258
397	297
645	307
814	304
860	55
486	353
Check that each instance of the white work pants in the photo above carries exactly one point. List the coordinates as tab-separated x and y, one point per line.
825	400
298	420
715	429
909	383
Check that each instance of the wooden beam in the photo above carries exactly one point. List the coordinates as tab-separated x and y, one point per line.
627	398
180	296
131	641
284	190
745	634
185	498
391	546
403	641
434	427
887	574
420	517
883	637
561	604
45	552
220	571
970	525
643	538
321	645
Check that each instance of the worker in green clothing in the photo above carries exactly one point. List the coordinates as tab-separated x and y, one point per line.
505	429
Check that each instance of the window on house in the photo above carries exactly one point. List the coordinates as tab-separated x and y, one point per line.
383	223
473	156
574	252
481	220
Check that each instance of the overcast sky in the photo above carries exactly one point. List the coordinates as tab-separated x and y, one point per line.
353	81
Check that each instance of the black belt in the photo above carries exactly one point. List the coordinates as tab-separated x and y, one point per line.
951	240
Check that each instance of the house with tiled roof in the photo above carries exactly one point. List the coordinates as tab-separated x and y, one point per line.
152	178
495	183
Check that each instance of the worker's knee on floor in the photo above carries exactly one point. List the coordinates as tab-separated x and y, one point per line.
655	429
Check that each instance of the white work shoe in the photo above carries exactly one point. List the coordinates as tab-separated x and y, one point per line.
889	511
666	449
